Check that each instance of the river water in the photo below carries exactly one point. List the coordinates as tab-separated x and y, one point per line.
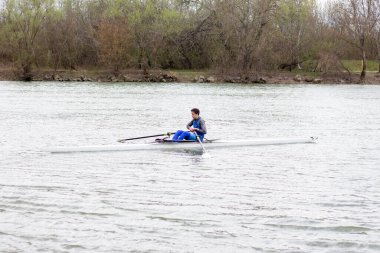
321	197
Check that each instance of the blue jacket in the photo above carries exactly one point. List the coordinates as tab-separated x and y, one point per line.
201	125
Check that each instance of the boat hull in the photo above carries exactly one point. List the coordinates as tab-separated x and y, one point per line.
183	146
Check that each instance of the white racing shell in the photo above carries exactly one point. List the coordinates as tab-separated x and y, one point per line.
183	145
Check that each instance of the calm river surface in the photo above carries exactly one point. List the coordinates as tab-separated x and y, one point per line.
321	197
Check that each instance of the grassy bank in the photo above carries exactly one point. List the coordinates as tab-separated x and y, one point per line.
356	65
92	74
189	74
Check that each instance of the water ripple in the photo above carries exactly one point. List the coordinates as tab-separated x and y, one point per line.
301	198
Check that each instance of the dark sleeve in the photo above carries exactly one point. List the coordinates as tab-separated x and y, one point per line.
203	129
190	124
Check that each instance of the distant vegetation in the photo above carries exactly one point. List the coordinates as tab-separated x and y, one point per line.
237	37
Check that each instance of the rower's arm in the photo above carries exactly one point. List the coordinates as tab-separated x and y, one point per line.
203	129
189	125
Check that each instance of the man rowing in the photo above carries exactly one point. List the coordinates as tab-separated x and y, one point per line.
196	127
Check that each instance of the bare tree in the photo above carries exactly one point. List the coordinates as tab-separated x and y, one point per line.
113	38
148	36
24	21
355	21
242	26
378	47
294	22
237	37
377	31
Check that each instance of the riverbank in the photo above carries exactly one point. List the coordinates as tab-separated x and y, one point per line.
185	76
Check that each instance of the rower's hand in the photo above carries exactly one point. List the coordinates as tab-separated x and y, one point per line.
192	129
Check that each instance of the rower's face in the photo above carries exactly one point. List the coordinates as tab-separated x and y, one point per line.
194	115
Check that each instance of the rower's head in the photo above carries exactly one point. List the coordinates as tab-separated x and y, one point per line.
195	113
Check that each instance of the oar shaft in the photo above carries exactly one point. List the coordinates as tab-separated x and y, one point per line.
200	142
145	137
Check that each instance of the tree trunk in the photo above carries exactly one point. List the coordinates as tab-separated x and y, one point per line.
378	47
364	67
188	61
245	62
299	48
27	72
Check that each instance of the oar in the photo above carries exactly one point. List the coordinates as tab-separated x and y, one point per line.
205	153
144	137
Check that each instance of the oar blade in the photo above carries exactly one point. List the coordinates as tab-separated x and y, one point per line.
206	155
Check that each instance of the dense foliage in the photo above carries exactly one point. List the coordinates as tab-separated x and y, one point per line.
241	35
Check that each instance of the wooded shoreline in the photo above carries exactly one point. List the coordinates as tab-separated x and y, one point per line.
254	41
177	76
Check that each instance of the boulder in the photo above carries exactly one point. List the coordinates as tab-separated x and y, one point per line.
201	79
229	80
211	79
48	78
298	78
56	78
309	79
127	78
112	78
259	81
168	78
